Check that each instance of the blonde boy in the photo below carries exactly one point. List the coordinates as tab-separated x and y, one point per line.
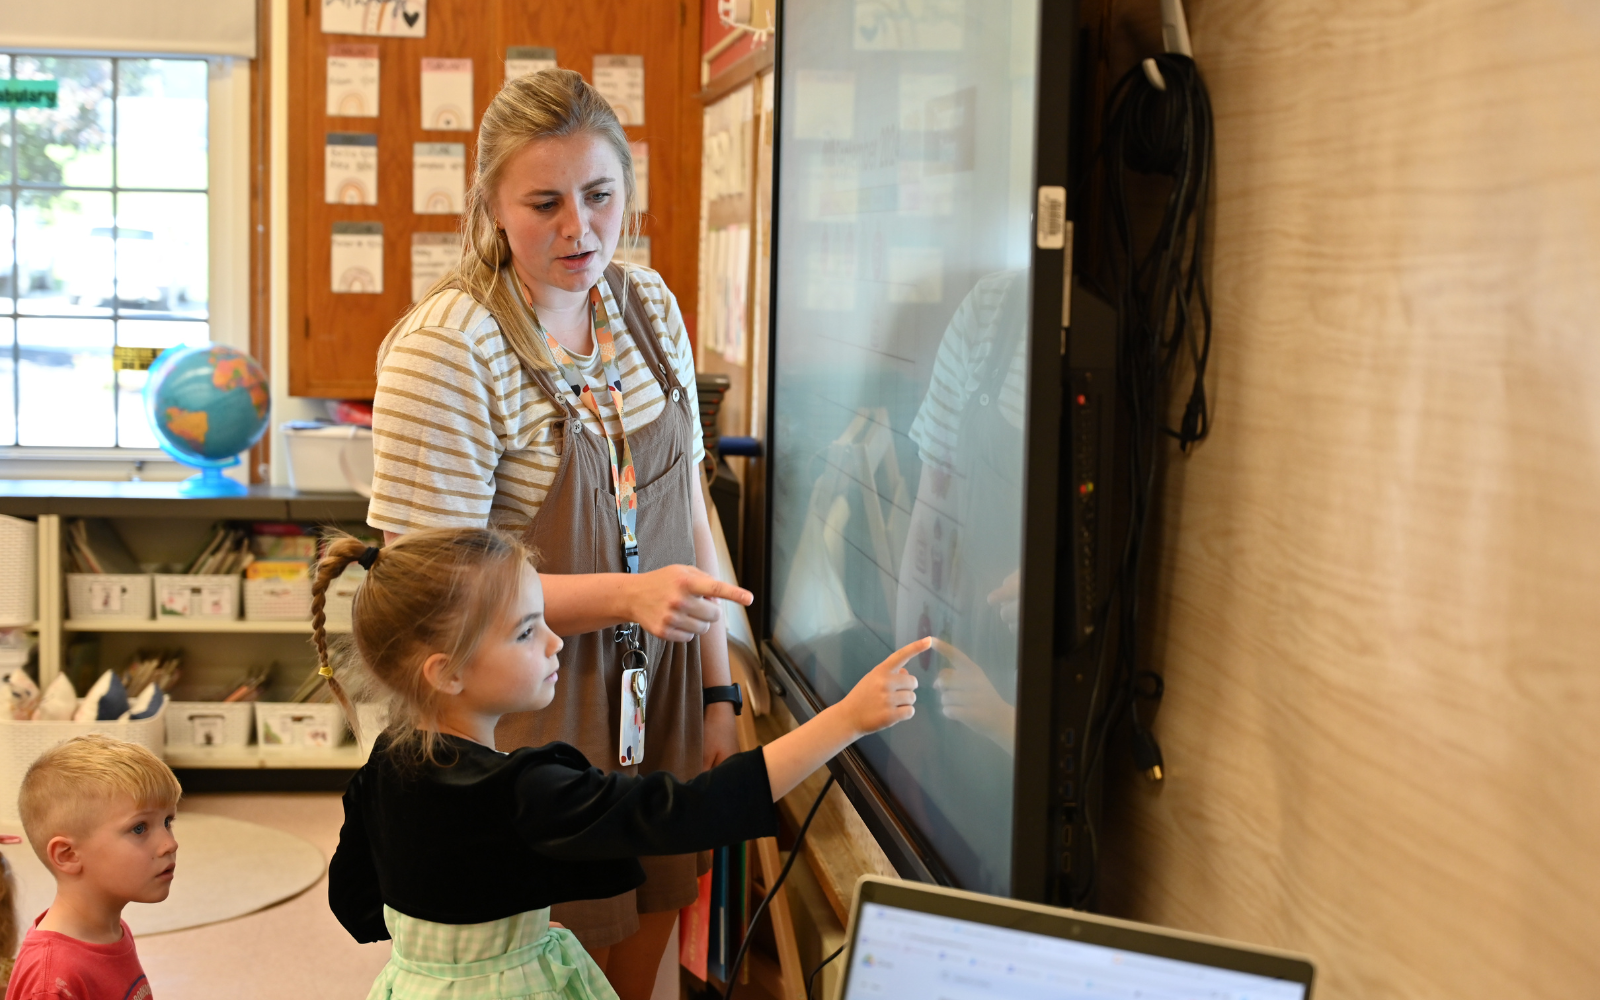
98	812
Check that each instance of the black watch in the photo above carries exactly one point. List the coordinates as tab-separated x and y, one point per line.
726	692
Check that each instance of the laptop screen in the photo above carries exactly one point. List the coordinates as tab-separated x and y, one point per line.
907	953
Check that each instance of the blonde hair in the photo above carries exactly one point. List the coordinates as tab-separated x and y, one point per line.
69	785
434	591
548	104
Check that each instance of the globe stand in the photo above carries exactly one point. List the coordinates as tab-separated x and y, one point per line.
212	483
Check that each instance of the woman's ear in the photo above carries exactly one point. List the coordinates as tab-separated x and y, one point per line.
441	675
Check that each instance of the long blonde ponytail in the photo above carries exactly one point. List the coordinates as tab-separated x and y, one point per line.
547	104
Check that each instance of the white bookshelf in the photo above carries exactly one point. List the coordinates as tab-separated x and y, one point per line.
190	625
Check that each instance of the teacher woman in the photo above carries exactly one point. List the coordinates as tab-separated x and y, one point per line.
533	387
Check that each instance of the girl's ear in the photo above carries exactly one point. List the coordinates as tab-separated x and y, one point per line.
440	675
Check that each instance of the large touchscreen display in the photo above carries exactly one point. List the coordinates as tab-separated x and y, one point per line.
905	161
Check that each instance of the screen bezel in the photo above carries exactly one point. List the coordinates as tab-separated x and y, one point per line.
1074	925
1034	861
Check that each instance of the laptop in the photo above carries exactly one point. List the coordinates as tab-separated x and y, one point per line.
923	942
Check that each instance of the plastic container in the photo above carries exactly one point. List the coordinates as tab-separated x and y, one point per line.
209	723
329	458
287	726
374	719
19	571
21	743
109	596
277	600
340	598
200	596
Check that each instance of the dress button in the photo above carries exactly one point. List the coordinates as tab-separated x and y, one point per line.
983	399
674	395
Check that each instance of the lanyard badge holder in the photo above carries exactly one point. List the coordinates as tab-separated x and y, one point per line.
635	681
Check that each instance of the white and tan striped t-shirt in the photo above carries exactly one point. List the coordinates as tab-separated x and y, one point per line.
463	436
974	330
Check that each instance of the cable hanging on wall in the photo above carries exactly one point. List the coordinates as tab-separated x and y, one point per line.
1158	124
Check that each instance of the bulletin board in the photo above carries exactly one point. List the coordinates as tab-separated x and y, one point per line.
421	47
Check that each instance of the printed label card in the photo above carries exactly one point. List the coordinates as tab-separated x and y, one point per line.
357	258
352	81
438	177
641	173
524	59
620	80
400	18
640	254
350	168
447	95
432	257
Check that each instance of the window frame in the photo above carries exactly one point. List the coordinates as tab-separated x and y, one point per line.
228	253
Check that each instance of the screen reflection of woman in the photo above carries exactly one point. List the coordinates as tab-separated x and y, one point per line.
533	386
959	574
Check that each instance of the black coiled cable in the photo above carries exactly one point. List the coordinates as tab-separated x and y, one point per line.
1164	317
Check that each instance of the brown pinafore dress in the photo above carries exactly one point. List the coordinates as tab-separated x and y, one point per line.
575	531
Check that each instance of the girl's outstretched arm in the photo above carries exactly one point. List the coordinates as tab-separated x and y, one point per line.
883	697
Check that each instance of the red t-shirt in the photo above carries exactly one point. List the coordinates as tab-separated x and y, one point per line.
52	965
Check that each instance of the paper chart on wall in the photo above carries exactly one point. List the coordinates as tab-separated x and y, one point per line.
447	94
350	168
432	257
641	174
640	254
352	81
438	177
401	18
524	59
357	257
620	80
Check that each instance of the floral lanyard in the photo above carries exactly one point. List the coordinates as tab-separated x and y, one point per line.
623	477
635	686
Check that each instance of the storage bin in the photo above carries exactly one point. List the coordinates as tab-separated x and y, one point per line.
19	571
209	723
287	726
109	596
277	600
329	458
374	718
340	598
21	743
202	596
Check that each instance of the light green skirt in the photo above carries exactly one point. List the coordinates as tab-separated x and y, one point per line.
516	958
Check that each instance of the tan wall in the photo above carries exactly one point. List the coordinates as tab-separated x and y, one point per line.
1379	597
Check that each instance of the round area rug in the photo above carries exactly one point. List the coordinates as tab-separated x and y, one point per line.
226	868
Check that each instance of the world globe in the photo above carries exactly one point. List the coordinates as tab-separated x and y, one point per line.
206	405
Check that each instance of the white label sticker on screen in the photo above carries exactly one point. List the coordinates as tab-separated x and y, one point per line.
904	953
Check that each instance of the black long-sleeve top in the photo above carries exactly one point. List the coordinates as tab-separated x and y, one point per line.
489	835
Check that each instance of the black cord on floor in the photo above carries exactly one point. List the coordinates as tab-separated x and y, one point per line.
812	978
772	890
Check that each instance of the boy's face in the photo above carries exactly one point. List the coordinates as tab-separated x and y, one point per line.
130	854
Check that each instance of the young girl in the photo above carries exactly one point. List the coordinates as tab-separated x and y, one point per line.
455	850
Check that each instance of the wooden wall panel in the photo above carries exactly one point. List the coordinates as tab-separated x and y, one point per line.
1379	576
1378	582
334	338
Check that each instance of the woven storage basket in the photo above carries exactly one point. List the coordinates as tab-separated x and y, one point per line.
277	600
210	723
288	726
21	743
205	597
19	571
109	596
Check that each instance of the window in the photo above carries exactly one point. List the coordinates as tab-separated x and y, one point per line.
104	242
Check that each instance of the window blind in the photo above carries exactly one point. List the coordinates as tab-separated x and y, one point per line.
178	27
